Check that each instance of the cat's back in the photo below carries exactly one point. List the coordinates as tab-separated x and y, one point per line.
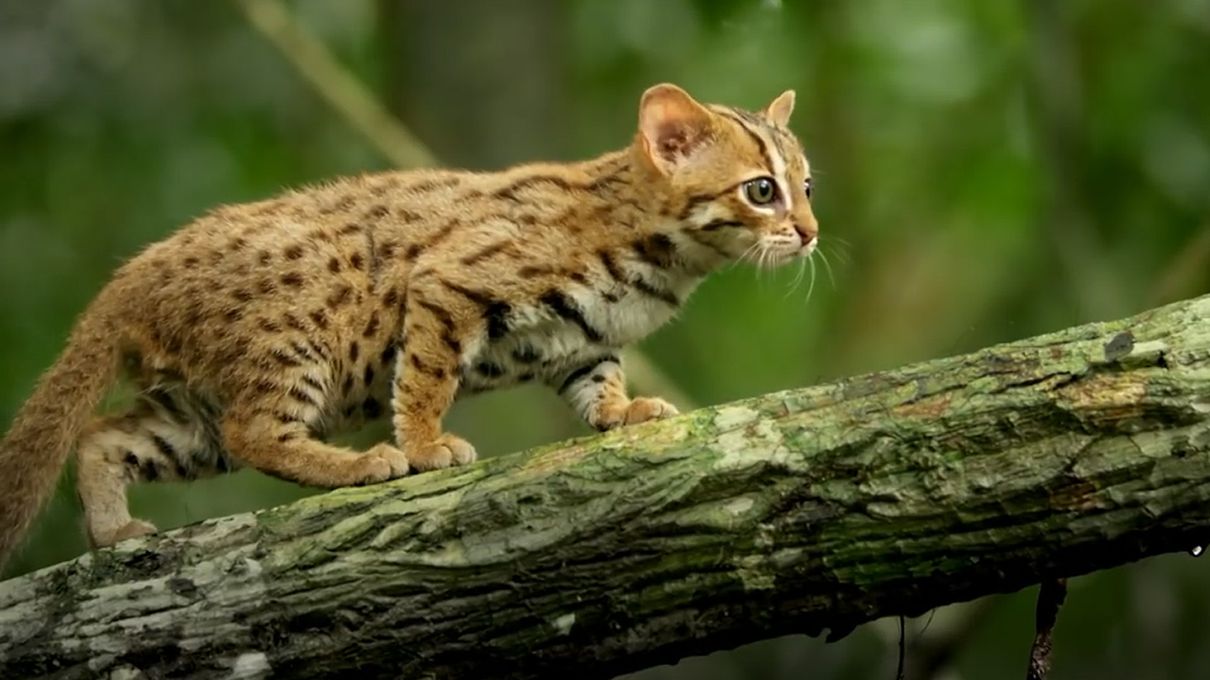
312	268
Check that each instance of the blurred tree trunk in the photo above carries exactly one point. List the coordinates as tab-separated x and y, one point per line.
799	511
478	99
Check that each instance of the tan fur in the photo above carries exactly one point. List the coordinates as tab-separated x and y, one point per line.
260	329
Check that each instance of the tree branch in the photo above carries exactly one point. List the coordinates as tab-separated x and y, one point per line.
1050	599
799	511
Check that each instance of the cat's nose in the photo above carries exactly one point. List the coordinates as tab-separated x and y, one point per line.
807	234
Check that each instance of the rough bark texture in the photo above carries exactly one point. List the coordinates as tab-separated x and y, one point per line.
800	511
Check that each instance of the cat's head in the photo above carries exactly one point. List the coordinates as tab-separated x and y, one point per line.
736	181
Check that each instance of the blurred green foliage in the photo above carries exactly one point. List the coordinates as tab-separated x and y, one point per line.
984	172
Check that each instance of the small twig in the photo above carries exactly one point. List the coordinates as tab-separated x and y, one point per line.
1050	598
899	673
1186	271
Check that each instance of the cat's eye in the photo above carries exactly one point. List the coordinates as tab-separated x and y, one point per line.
807	187
760	191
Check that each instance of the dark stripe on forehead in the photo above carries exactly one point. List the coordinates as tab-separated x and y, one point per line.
738	118
791	149
778	141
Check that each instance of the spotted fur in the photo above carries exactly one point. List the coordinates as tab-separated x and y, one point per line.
259	330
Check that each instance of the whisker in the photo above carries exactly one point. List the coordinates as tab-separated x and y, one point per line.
842	250
746	255
827	265
811	285
794	283
838	251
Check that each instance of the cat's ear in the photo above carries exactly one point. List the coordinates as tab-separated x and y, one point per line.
672	125
778	111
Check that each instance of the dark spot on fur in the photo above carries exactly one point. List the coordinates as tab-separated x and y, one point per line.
496	314
284	359
356	261
293	252
292	279
338	297
526	354
371	326
562	305
656	250
320	319
149	470
489	370
334	265
354	351
391	298
293	322
388	353
529	272
371	408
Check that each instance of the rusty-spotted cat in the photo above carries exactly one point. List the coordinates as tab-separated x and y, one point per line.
258	330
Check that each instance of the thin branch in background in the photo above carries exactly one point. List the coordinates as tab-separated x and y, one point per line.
314	62
1050	598
1058	117
1186	272
345	93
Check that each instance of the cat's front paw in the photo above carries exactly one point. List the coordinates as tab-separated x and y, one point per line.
132	529
642	409
446	450
396	461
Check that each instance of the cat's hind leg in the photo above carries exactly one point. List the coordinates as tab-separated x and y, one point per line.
158	440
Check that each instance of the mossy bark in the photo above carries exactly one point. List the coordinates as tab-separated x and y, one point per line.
794	512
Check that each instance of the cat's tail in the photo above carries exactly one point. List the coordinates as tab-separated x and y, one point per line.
46	428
